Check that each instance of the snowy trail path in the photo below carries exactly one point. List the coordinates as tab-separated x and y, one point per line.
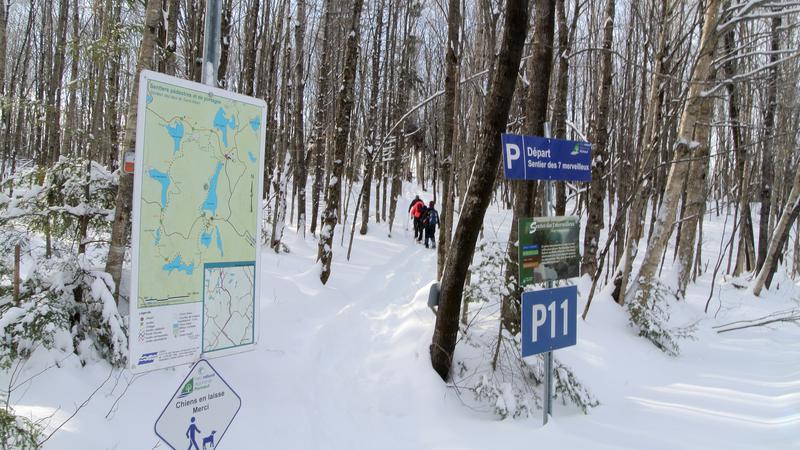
736	390
340	365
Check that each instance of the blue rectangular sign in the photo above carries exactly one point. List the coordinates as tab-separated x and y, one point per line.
549	319
538	158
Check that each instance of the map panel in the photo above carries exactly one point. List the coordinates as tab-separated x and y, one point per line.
228	306
197	195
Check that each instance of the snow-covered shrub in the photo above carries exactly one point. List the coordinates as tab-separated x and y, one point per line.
99	322
570	390
63	297
649	315
36	322
487	282
65	301
17	432
54	200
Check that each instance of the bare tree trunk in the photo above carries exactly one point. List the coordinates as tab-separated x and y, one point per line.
566	35
53	114
768	149
373	121
650	142
319	117
5	110
124	198
343	111
452	61
283	138
598	136
225	42
250	49
480	186
73	121
694	116
301	171
745	261
170	61
540	67
779	238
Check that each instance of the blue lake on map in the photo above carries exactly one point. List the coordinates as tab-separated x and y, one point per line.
162	178
157	236
205	238
255	123
219	243
176	133
210	204
222	123
252	157
179	265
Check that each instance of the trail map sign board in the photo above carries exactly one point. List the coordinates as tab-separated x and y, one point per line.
196	222
549	319
548	249
200	412
538	158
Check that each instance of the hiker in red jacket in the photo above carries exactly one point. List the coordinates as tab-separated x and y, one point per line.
418	212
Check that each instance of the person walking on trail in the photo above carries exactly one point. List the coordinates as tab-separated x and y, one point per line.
414	202
411	215
190	434
418	213
429	222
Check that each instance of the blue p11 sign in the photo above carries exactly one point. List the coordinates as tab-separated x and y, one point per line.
549	319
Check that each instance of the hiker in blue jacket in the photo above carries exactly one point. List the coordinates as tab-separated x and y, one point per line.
430	221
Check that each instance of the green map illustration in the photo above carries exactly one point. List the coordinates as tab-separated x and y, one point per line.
199	190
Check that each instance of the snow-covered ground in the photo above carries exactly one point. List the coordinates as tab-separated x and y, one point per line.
346	366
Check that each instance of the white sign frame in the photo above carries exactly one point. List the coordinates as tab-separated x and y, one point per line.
135	357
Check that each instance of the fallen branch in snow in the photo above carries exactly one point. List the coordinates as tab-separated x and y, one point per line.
792	315
124	391
80	407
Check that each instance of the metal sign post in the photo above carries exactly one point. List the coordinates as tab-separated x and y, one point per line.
548	357
211	42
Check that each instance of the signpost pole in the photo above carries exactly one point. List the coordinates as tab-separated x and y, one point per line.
211	42
548	356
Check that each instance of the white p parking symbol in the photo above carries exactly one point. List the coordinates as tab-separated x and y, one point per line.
512	153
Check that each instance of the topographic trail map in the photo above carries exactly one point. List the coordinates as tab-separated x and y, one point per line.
196	221
228	306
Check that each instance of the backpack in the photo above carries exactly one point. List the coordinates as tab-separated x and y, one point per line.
432	218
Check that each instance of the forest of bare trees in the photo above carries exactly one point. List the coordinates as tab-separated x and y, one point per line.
692	108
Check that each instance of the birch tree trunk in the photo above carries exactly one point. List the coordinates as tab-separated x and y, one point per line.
695	115
124	198
650	142
480	188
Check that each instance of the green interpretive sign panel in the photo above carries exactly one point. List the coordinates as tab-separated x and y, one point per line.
548	249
